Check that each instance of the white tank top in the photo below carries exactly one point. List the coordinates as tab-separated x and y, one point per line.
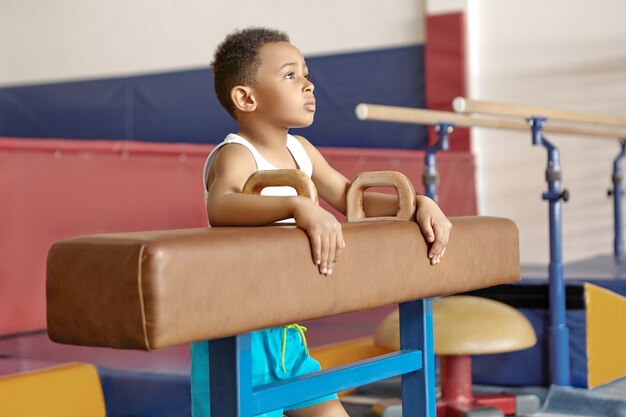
293	146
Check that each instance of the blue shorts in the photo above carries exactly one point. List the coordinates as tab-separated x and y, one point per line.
267	366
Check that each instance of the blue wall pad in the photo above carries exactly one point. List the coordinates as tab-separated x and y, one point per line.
145	394
531	366
182	107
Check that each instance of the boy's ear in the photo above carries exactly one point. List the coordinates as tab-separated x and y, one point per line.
243	99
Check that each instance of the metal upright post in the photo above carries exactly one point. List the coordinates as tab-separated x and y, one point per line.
431	176
416	317
559	332
416	321
618	192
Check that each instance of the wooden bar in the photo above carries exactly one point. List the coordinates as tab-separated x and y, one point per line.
431	117
464	105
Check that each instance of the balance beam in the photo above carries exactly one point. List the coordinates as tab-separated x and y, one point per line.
465	105
150	290
383	113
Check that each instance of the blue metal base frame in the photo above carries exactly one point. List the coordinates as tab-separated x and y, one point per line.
230	372
559	332
618	192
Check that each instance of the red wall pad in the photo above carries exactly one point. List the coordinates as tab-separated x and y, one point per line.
54	189
51	189
445	68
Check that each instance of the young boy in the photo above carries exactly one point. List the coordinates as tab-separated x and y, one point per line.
263	82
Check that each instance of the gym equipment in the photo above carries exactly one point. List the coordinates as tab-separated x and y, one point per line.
148	290
465	326
559	332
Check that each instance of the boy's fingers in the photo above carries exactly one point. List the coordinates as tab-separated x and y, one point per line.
316	248
442	233
436	250
336	245
439	244
324	254
341	244
427	230
332	253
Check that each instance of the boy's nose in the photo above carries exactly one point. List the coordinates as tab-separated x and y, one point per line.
309	87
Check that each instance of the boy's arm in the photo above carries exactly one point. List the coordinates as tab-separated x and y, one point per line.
433	223
332	187
226	206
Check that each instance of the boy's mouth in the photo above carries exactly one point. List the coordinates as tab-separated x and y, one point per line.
310	105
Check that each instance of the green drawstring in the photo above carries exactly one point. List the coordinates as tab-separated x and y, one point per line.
301	329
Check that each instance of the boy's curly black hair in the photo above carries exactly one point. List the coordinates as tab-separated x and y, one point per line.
236	60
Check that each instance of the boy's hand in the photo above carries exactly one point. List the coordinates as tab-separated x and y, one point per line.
435	227
324	233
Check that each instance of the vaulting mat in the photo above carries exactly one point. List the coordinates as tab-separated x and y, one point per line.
67	390
596	317
605	401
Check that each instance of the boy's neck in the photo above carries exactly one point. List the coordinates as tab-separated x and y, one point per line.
263	135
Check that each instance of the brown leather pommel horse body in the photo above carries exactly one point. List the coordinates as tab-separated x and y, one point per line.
150	290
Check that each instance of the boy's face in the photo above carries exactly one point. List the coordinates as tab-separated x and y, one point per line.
283	91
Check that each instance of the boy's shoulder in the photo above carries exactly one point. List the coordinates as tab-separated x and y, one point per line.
233	154
310	149
304	142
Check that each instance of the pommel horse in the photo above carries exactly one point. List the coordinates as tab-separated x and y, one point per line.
150	290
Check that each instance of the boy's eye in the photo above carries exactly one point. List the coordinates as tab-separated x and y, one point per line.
290	76
307	76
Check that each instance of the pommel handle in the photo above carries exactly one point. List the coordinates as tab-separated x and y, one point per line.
404	188
281	178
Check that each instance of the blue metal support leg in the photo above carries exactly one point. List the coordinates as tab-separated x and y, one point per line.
559	332
230	376
618	192
230	372
416	332
431	176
